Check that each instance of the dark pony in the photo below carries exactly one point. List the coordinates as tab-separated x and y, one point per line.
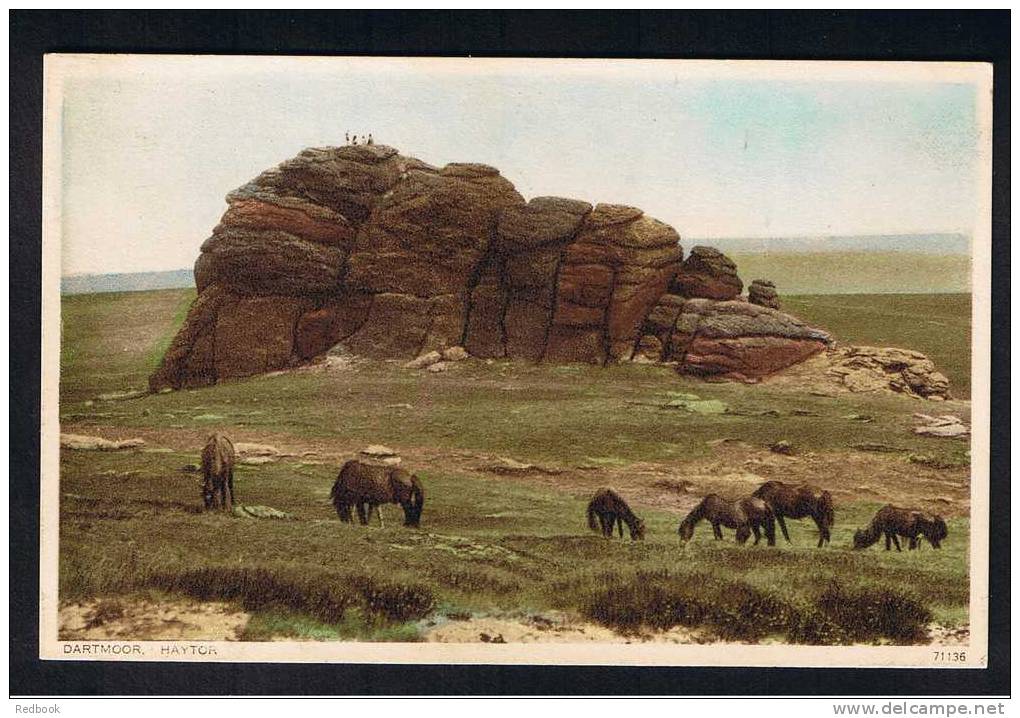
747	516
610	510
218	473
892	522
365	486
798	502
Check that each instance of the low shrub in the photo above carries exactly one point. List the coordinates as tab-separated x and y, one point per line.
658	601
395	602
868	614
736	610
257	589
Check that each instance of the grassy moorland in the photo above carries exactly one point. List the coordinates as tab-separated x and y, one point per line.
131	523
856	272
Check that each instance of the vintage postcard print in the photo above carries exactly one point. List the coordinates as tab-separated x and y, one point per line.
515	361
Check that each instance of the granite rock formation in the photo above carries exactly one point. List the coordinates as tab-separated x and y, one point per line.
367	251
708	274
763	293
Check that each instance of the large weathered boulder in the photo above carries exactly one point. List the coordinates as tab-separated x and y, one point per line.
365	251
708	273
763	293
738	340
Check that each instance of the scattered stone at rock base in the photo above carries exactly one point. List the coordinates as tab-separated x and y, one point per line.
379	454
947	426
782	447
457	353
438	367
122	395
260	512
696	405
423	361
257	460
247	450
503	465
80	442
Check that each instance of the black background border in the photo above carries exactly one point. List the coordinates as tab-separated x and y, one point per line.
788	35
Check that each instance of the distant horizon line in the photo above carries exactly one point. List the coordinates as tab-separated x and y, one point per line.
688	240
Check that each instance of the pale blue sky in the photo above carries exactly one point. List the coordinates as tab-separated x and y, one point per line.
149	156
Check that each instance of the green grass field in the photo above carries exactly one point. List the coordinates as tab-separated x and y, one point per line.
857	273
131	522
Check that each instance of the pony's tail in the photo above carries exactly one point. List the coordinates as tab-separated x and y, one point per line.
417	499
334	493
828	511
592	525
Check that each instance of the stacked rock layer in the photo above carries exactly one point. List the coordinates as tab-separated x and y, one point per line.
385	256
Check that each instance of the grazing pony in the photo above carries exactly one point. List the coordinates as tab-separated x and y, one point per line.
610	510
893	521
366	486
747	516
798	502
218	473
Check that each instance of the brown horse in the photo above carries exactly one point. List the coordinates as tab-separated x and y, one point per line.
610	510
218	472
797	502
747	516
893	522
366	486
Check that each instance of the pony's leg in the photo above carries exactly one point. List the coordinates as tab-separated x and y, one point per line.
823	534
230	484
757	533
378	512
913	543
770	531
619	525
717	531
782	527
896	541
362	515
888	541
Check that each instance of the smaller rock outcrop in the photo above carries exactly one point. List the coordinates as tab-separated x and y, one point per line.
731	339
763	293
709	274
867	369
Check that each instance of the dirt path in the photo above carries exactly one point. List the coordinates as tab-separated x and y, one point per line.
145	620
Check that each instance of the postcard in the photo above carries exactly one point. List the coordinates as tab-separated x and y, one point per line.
515	361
